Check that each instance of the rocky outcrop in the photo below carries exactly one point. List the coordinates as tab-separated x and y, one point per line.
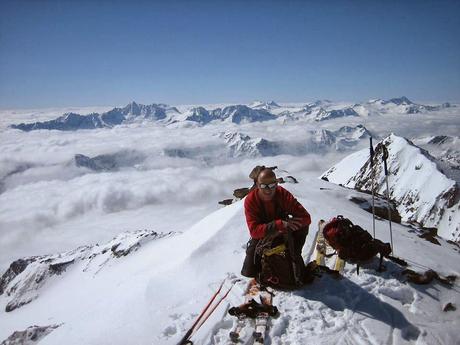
110	162
380	207
24	279
30	336
200	115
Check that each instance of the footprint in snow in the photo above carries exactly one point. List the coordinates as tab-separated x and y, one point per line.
403	294
169	331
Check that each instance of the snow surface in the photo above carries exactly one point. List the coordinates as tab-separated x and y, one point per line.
153	294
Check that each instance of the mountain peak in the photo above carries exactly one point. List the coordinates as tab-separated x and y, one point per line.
400	101
423	193
264	104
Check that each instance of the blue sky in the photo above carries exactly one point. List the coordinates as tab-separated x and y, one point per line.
78	53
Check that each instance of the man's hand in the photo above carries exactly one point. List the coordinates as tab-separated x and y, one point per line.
292	224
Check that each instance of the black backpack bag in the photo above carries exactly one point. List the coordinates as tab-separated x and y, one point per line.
281	268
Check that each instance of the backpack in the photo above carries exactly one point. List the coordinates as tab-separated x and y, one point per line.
279	269
352	243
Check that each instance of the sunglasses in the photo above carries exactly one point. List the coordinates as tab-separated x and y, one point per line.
268	186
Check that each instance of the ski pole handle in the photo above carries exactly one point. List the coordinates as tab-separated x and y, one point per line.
371	149
384	157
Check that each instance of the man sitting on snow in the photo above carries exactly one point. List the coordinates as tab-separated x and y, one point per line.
270	210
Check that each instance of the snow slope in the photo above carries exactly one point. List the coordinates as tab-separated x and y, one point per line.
152	295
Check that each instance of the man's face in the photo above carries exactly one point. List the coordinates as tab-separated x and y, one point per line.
266	187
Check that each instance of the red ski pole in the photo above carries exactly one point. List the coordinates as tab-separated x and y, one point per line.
187	335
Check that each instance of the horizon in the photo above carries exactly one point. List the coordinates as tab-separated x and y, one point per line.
424	102
63	54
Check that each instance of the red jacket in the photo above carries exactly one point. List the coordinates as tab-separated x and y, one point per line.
262	215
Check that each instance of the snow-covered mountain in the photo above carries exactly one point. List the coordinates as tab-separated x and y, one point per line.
134	112
267	105
342	139
130	113
446	149
242	114
241	145
321	140
424	195
200	115
400	105
334	113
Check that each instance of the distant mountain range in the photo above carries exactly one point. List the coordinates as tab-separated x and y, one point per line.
258	111
116	116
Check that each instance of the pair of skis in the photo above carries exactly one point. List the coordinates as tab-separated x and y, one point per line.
321	250
251	309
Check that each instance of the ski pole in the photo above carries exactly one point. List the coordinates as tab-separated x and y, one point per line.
372	184
215	306
187	335
384	157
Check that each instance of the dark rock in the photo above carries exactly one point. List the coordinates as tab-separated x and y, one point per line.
240	193
60	267
430	235
32	333
290	179
226	202
449	307
427	277
381	209
98	163
16	268
440	139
